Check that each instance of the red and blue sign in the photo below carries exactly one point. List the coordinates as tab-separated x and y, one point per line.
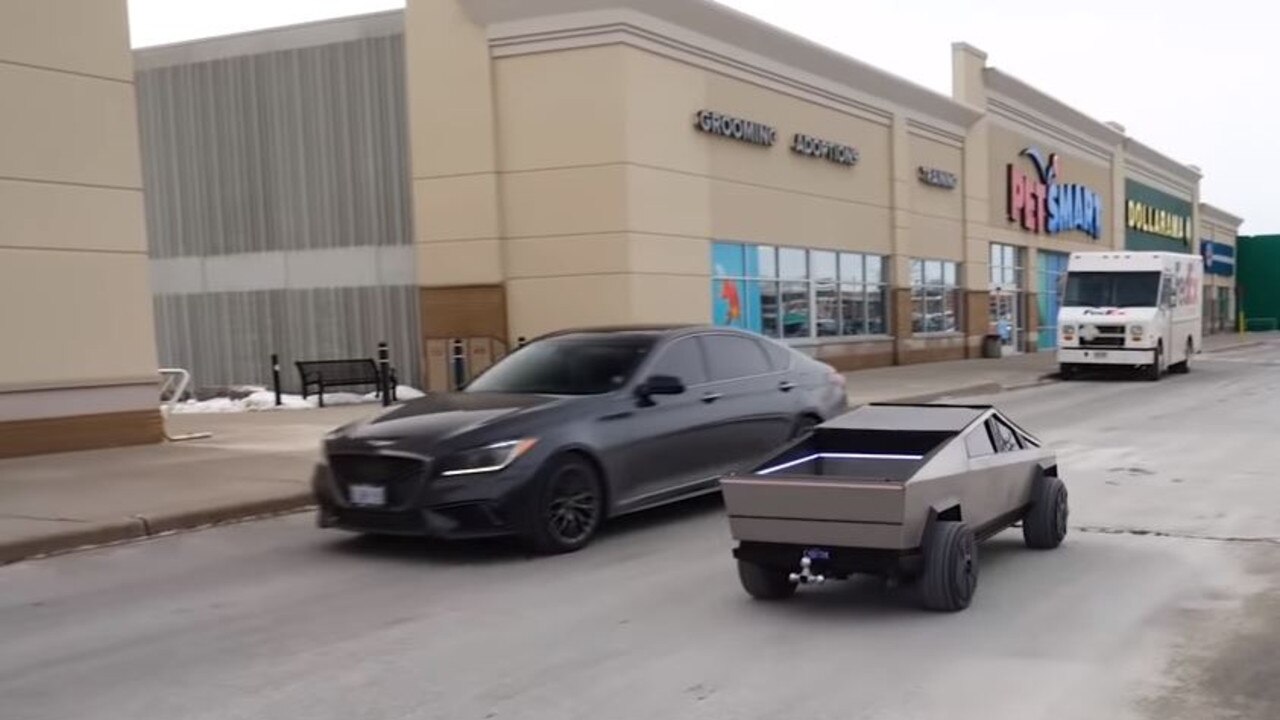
1219	258
1041	204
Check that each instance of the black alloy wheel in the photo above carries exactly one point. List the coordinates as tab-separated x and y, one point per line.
950	576
570	507
1045	524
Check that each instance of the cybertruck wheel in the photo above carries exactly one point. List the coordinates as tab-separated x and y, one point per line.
567	508
950	575
765	583
1045	524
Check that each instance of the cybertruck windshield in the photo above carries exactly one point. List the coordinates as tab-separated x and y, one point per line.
1112	289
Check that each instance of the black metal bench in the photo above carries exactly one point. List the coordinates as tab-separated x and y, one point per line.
322	374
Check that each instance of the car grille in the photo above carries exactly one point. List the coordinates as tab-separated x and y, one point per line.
402	477
1111	329
391	522
1103	341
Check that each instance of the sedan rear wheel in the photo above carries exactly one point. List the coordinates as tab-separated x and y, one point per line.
569	507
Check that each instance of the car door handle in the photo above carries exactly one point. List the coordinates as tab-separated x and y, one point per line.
711	397
786	386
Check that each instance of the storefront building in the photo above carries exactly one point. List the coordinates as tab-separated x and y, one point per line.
1218	240
601	162
605	162
465	174
1041	181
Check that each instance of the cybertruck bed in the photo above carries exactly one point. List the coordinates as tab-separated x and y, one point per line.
893	490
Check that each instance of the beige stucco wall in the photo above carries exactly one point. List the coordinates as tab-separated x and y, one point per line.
936	214
608	188
73	263
453	160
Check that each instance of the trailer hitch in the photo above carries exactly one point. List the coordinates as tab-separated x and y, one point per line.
806	576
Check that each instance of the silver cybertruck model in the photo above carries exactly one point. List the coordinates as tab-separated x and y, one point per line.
900	491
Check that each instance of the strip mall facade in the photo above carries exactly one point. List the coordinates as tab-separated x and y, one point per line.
484	171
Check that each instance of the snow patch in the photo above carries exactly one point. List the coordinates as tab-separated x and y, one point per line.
262	399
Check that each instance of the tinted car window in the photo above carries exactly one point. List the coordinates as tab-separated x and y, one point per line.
566	366
1003	436
779	354
978	443
734	356
682	359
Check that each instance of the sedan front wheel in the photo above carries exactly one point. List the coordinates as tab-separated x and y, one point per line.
568	506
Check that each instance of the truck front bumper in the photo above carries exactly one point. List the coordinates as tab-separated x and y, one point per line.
1107	356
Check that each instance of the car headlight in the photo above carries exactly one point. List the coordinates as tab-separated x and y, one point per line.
490	458
1136	331
1068	331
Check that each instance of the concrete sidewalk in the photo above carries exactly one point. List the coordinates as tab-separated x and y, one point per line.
255	463
260	462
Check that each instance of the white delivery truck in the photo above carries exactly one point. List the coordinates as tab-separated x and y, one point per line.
1132	309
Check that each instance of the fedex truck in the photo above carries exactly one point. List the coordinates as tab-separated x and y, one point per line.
1130	309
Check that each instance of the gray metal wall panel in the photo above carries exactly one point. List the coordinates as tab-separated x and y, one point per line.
280	152
291	150
228	338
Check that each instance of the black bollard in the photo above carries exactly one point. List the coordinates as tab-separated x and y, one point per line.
275	377
384	373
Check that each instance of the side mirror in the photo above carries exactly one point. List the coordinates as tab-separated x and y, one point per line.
660	385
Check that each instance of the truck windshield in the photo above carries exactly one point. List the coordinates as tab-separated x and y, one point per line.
1112	289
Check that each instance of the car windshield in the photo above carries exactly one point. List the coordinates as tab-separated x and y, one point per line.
1112	289
566	366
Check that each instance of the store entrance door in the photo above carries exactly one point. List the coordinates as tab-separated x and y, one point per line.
1007	320
1052	275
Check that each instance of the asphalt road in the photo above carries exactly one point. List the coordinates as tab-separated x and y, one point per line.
1163	603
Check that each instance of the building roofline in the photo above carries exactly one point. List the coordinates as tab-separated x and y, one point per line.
1159	160
1023	92
287	37
720	23
1216	213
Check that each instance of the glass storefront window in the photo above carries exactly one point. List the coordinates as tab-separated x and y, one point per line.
792	265
795	293
795	310
1007	316
935	296
851	268
766	261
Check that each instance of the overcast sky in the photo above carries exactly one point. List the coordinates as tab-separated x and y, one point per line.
1194	80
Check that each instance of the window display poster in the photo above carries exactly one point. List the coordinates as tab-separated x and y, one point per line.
735	302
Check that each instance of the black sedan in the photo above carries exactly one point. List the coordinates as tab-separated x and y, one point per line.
571	429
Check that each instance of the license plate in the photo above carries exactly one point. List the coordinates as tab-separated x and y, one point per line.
368	495
1099	354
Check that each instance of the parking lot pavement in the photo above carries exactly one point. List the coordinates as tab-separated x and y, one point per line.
928	381
1163	603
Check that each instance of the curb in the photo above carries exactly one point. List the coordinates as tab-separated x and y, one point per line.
140	527
989	388
1239	346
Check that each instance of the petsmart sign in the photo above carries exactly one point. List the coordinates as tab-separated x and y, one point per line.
1041	204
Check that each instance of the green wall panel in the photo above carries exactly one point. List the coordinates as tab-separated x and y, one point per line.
1258	275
